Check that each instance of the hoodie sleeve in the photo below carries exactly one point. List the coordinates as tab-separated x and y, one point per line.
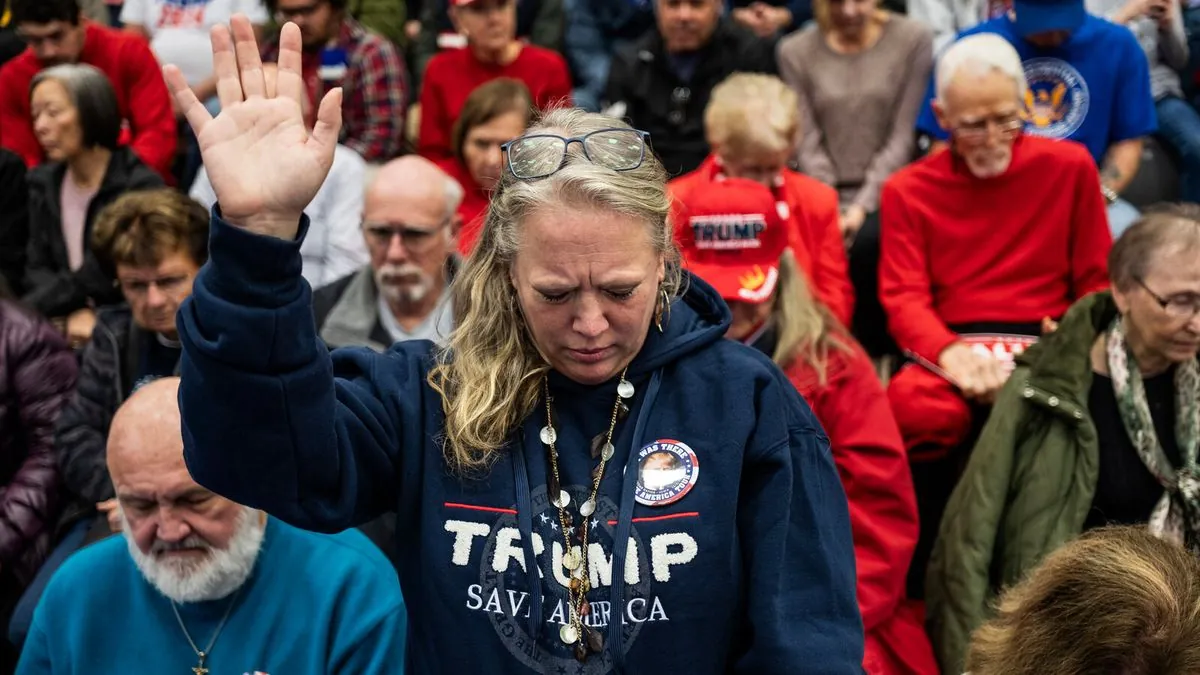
795	532
270	418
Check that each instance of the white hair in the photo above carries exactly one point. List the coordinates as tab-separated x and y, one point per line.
979	55
218	575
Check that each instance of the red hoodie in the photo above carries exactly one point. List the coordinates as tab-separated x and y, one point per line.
474	205
452	75
812	213
137	80
956	249
853	408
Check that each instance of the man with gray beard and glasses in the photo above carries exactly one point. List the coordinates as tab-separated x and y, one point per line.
203	584
410	224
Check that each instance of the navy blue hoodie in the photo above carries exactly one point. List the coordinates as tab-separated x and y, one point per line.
751	572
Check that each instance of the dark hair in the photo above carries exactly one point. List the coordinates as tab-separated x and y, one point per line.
1115	600
336	5
44	11
93	97
142	228
487	102
1163	228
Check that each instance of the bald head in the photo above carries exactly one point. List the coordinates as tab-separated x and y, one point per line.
147	428
411	189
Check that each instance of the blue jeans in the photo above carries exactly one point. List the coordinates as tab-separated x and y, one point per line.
22	616
1179	127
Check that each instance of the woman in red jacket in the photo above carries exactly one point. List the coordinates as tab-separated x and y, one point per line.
494	114
752	126
732	236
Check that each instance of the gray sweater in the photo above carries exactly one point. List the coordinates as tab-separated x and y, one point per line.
1166	49
858	112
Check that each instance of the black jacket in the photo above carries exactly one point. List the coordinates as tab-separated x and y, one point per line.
654	99
14	219
50	286
107	371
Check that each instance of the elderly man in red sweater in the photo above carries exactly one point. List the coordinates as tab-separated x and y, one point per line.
56	35
981	243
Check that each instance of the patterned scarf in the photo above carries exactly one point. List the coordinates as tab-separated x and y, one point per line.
1176	517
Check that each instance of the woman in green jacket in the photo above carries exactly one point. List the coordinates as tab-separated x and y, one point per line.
1099	424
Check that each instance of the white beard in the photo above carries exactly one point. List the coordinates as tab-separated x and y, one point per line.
219	574
419	287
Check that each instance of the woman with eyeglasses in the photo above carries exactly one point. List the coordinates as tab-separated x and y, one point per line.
77	122
1098	425
534	532
494	114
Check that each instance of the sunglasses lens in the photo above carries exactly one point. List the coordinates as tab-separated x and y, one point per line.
535	156
617	149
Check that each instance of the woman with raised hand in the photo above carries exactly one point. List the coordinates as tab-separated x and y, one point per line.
545	468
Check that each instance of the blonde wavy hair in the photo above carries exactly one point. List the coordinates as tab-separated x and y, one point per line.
751	113
489	374
807	331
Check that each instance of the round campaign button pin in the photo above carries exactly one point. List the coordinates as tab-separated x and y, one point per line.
667	470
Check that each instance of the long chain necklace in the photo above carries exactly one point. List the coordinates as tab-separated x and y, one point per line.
575	558
203	654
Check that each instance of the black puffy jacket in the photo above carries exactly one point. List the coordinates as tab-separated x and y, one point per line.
37	374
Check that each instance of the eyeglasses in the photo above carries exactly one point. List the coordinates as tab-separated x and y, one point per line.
136	288
978	130
541	155
415	239
1182	306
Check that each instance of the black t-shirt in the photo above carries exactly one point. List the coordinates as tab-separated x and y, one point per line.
159	357
1127	492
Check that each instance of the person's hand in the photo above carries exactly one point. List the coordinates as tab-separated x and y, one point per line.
776	19
979	376
1132	10
851	221
80	325
1048	325
1160	11
264	166
747	17
109	508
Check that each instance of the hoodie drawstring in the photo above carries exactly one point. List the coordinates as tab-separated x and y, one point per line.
525	525
615	641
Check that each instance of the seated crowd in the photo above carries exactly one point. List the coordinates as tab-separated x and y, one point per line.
999	335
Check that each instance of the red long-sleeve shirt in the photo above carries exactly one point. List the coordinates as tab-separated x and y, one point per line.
866	445
816	240
452	75
956	249
137	80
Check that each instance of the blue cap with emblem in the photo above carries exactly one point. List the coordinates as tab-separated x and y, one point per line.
1045	16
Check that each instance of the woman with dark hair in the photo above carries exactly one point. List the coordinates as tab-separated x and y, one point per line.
1098	425
494	114
77	122
37	374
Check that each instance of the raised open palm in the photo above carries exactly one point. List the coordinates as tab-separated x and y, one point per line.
264	165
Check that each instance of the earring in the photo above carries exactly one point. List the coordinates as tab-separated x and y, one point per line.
664	306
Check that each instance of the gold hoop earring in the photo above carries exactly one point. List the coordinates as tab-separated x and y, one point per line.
664	307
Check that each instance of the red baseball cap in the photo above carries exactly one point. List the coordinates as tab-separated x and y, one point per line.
732	236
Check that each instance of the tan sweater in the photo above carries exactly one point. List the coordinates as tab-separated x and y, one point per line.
858	112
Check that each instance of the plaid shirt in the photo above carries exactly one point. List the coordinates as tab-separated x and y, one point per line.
374	86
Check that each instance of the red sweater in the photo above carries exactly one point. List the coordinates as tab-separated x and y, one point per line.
956	249
853	409
141	92
474	205
815	238
452	75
